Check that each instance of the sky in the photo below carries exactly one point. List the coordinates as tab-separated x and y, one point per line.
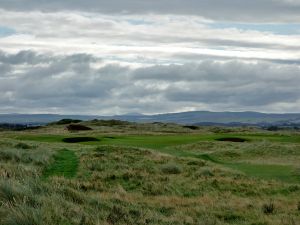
107	57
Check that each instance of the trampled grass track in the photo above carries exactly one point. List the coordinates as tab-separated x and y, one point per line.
65	164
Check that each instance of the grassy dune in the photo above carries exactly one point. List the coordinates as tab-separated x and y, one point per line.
149	174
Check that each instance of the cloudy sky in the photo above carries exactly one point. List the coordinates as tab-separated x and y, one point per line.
139	56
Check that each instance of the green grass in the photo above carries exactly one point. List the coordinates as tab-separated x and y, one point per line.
164	144
125	179
65	164
268	172
162	141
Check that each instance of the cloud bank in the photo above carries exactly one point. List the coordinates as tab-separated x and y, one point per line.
77	83
114	57
229	10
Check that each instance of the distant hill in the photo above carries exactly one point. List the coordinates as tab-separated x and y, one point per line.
194	117
38	119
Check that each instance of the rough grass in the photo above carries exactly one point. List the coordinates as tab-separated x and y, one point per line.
148	178
166	143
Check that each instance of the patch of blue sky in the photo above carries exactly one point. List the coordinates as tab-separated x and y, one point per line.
6	31
283	29
139	22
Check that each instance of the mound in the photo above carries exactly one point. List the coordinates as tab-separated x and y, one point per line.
232	139
79	139
77	127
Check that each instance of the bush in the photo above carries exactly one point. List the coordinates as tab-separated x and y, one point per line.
171	169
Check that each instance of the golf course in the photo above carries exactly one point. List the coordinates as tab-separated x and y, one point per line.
154	173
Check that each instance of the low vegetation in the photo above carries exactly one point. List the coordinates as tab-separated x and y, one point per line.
65	121
78	127
149	174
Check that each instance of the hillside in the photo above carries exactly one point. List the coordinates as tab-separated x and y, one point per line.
195	117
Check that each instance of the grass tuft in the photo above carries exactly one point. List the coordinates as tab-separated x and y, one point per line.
23	146
171	168
268	208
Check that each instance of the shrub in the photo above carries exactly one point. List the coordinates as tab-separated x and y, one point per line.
298	206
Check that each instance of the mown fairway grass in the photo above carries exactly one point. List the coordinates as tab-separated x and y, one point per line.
161	141
277	172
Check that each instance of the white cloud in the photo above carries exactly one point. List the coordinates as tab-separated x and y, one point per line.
71	83
76	58
157	39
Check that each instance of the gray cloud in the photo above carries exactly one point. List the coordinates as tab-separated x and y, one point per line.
73	84
230	10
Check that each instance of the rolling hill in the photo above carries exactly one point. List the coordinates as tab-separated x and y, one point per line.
193	117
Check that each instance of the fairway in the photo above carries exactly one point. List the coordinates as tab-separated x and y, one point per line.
161	141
